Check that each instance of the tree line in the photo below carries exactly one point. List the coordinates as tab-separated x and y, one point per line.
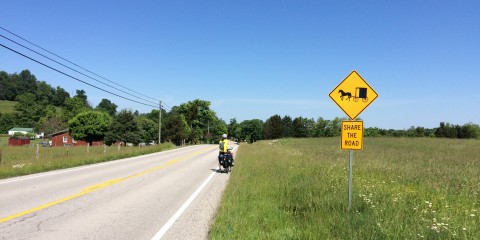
49	110
283	127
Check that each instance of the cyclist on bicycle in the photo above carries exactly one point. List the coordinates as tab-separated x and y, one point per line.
223	147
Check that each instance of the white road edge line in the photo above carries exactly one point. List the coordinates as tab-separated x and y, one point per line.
179	212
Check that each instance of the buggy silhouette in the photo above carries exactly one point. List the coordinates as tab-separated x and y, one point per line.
360	93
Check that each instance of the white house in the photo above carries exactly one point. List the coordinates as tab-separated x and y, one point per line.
21	130
39	135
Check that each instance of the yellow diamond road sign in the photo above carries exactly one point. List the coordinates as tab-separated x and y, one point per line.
353	95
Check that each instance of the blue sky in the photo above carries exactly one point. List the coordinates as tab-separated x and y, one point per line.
255	59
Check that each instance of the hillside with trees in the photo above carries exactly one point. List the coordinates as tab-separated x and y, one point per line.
51	109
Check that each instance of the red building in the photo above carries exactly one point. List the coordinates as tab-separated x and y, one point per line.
18	141
63	138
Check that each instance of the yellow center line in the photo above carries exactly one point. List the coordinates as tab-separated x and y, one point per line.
102	185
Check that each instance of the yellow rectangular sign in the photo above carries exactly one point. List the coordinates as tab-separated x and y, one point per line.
352	135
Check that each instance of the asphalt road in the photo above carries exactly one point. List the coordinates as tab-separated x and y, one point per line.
167	195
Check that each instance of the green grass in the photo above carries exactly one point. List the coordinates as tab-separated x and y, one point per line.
403	188
17	161
7	106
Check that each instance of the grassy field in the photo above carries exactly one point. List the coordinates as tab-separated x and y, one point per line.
17	161
7	106
415	188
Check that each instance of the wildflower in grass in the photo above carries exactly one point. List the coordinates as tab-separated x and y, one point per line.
438	227
18	165
472	215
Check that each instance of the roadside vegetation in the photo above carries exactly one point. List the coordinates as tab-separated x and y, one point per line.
17	161
403	188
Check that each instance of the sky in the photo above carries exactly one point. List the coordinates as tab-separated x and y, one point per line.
255	59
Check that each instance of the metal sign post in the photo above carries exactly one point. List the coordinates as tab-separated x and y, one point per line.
350	179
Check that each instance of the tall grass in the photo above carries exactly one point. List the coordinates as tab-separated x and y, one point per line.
17	161
415	188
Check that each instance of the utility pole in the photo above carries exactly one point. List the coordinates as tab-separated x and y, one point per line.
160	123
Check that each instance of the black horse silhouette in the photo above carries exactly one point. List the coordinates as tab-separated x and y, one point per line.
343	94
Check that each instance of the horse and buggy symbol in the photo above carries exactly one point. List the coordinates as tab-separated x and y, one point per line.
360	93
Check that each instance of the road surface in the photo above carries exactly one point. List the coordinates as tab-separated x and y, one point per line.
167	195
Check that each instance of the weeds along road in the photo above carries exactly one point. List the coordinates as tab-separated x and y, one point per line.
145	197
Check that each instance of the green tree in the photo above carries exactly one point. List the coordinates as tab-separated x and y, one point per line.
469	130
252	130
30	111
89	126
44	93
300	127
7	87
52	121
124	128
52	124
175	129
234	129
107	106
419	132
287	124
372	132
82	95
25	82
321	127
154	115
72	107
333	127
8	121
446	130
273	127
59	96
198	116
148	129
217	128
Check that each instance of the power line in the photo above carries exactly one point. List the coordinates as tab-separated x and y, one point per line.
164	104
74	63
19	53
73	69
